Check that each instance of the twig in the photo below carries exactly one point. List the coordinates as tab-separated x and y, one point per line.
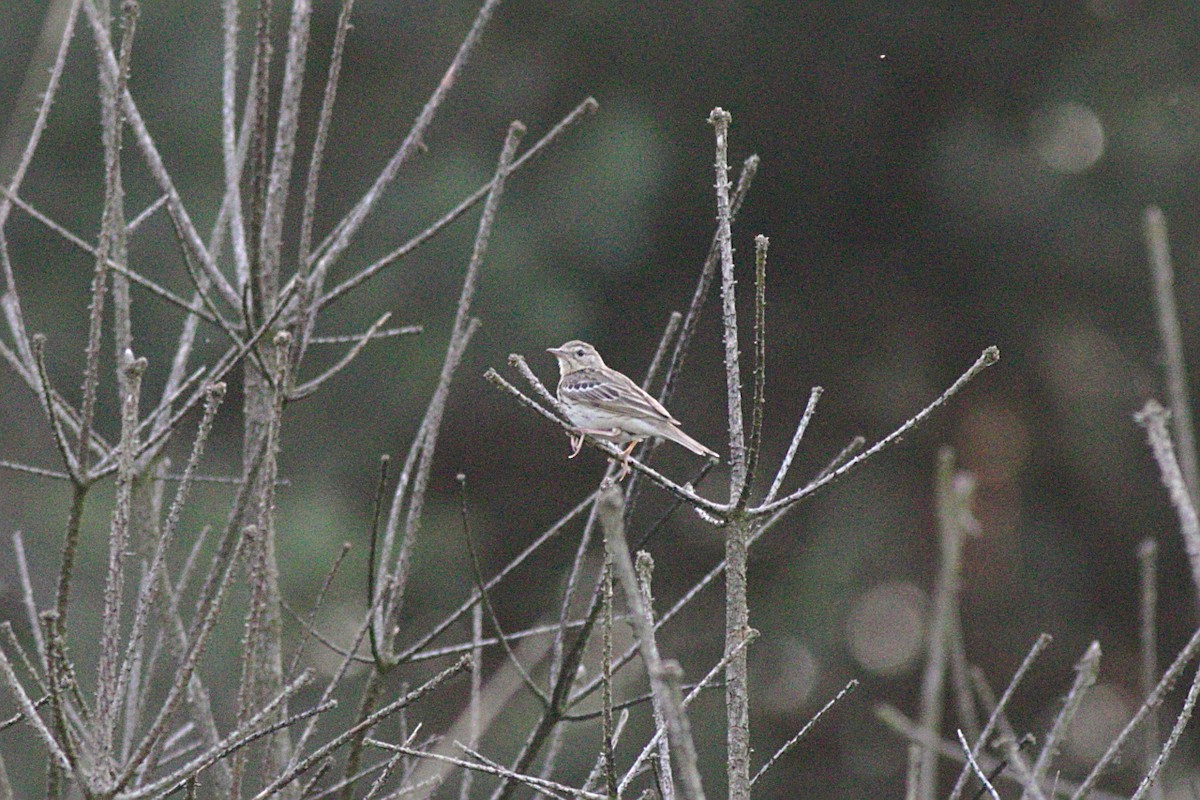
146	213
47	96
989	356
340	237
1185	715
708	680
1086	670
962	740
307	388
108	684
193	249
1008	739
1153	417
464	327
309	624
1042	642
550	533
786	464
792	742
369	721
25	703
70	459
894	719
407	330
324	120
1153	701
27	598
122	269
700	295
491	769
477	575
588	106
760	366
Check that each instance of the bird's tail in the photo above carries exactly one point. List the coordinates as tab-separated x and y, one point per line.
679	437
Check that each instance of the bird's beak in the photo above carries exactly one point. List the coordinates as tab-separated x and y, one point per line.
555	350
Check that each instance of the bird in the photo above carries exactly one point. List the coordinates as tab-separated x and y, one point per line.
602	402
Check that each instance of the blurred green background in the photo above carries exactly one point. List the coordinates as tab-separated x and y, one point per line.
935	178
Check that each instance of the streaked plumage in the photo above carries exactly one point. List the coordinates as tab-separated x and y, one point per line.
606	404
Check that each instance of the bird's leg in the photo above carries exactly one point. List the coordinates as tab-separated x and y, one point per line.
625	469
576	444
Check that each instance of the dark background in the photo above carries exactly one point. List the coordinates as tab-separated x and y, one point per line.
935	178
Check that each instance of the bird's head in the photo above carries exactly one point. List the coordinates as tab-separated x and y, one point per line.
576	355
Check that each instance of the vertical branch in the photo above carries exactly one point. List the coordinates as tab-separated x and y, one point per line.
704	282
279	180
952	500
666	780
760	365
107	684
114	228
606	697
737	672
611	512
1147	554
259	109
1178	396
231	157
737	531
720	119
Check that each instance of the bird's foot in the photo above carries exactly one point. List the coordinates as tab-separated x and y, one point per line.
576	435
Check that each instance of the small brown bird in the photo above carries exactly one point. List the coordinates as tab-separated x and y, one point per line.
606	404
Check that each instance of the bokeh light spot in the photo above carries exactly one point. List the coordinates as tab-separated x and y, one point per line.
1103	714
886	626
1067	137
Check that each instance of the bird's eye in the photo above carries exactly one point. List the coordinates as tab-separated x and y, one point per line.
579	352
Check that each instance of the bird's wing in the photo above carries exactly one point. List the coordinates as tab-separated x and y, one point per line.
613	392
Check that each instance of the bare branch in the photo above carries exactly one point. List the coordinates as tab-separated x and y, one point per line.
1086	670
1153	417
331	250
760	366
987	785
370	720
792	742
1153	701
989	356
588	106
1147	554
720	119
1038	646
611	511
786	464
1158	250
